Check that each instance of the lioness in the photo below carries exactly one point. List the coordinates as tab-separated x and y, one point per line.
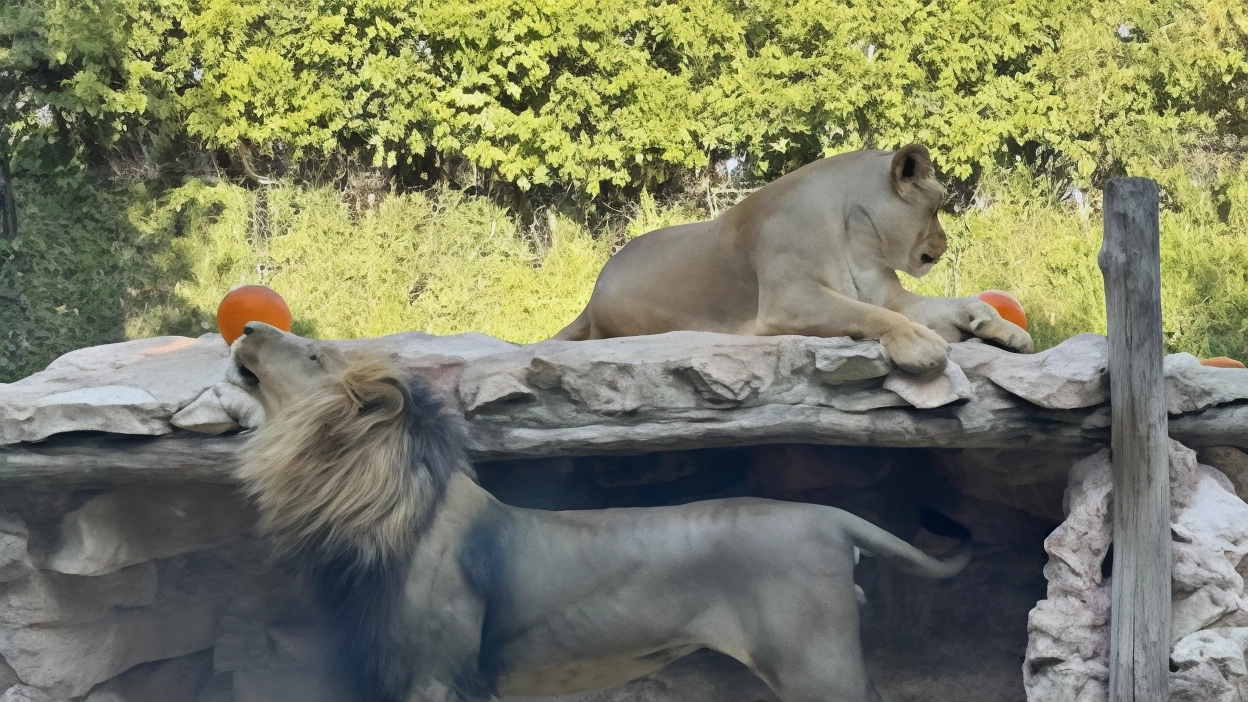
439	592
814	253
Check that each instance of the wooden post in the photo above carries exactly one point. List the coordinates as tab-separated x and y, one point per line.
1130	260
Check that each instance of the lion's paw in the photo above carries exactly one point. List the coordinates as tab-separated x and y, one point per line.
916	349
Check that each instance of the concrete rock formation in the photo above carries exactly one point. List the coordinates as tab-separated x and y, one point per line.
129	573
678	390
1068	642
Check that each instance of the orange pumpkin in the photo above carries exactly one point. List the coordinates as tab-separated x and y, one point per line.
251	303
1221	362
1006	305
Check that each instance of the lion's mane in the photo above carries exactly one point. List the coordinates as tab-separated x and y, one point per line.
346	481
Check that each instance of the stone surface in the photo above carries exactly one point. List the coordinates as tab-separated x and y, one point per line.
687	390
153	386
1033	481
788	469
1068	643
283	686
618	396
207	414
922	392
174	680
1210	528
1068	634
45	597
110	460
1232	462
1224	425
129	388
1208	666
8	678
291	663
141	523
14	561
137	387
24	693
1191	386
243	645
68	660
220	688
1071	375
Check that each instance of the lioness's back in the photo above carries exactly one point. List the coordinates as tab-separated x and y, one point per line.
689	276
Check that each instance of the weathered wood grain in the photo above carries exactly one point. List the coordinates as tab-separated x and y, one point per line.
1130	261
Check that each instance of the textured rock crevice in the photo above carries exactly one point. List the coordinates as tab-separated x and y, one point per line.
1068	645
677	390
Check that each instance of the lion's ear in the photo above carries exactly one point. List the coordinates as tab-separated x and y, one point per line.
912	166
383	399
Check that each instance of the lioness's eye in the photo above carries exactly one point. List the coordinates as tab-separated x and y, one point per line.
312	357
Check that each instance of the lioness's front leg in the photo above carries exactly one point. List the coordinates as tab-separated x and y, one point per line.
956	317
819	311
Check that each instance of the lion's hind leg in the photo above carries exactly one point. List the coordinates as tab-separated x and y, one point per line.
810	651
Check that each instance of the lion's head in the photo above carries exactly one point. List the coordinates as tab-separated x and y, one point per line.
279	369
334	467
908	224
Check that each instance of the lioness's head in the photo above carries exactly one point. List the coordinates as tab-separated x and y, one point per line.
279	369
908	224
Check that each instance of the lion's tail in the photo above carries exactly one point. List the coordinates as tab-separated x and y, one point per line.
579	330
908	558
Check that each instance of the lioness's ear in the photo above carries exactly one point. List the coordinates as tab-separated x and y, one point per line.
911	167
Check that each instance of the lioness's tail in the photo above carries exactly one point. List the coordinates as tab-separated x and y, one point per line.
578	330
907	558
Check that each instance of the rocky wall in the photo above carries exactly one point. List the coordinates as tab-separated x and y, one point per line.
161	593
129	571
1068	644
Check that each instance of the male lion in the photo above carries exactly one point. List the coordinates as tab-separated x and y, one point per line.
813	253
440	593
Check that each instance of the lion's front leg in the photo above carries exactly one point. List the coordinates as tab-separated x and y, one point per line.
435	690
955	318
432	691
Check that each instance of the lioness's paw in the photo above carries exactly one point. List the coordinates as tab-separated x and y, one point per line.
916	348
986	323
1018	339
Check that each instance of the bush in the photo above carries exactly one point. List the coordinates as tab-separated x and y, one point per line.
1027	105
587	95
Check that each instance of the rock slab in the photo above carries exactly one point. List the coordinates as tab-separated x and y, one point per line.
1068	636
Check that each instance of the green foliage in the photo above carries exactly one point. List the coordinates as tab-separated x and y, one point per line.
97	263
1025	239
606	100
587	94
91	258
77	76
